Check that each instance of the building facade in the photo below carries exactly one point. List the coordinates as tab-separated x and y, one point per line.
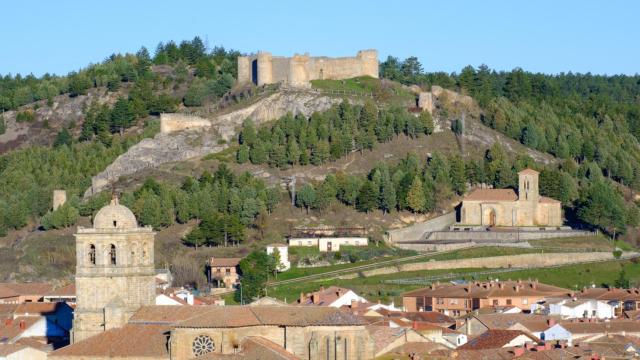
114	271
505	207
299	70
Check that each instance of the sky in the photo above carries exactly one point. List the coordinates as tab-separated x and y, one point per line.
542	36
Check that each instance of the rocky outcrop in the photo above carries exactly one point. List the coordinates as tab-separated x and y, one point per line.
183	145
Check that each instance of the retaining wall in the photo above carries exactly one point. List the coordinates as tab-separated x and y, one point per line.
415	232
510	261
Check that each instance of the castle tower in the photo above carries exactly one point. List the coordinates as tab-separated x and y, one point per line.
114	271
265	68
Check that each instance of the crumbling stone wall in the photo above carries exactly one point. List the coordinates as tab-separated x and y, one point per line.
177	122
298	70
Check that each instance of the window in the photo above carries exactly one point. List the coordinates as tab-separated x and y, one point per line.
453	301
228	271
439	301
508	301
92	254
202	345
115	223
495	302
112	254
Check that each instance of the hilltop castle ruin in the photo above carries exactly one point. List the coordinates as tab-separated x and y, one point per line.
298	70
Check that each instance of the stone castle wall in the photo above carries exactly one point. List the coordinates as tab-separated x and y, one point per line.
298	70
59	198
177	122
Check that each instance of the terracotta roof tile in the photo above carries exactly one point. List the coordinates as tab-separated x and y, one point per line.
122	342
484	290
17	289
68	290
10	328
224	262
492	339
324	297
528	171
491	195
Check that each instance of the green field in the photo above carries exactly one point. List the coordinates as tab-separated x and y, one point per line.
374	288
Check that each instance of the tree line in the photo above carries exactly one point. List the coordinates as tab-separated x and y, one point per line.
327	136
218	64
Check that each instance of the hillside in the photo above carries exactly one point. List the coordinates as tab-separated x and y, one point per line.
349	139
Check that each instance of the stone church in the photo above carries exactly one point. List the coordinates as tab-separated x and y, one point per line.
505	207
115	272
115	316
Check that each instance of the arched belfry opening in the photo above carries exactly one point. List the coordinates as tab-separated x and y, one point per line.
112	255
92	254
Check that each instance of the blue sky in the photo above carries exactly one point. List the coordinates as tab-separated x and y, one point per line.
542	36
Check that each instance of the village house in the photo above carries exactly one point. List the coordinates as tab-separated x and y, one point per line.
592	329
574	308
283	255
17	293
461	299
62	294
329	244
495	339
332	296
224	271
621	299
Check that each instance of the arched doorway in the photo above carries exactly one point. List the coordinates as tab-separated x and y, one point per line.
492	218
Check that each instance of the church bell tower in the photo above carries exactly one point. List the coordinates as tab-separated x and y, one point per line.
115	272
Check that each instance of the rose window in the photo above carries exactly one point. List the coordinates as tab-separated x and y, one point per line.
202	345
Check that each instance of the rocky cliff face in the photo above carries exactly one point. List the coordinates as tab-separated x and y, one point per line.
183	145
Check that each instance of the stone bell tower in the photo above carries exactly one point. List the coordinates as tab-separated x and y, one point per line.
114	271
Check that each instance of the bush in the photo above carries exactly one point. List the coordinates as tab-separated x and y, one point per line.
617	254
3	126
65	216
25	116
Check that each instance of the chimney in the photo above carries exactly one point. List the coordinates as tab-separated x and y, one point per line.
8	321
414	326
534	285
551	322
316	298
354	303
23	325
548	346
322	288
516	288
433	286
501	286
301	297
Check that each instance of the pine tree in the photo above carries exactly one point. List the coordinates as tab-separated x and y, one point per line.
415	196
293	152
306	197
243	154
388	200
427	122
457	174
367	197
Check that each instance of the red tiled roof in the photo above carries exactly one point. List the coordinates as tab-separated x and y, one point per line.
33	308
10	328
484	290
492	339
324	297
224	262
122	342
528	171
548	200
254	347
491	195
17	289
68	290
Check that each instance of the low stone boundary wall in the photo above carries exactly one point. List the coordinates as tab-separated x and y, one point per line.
502	236
509	261
415	232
